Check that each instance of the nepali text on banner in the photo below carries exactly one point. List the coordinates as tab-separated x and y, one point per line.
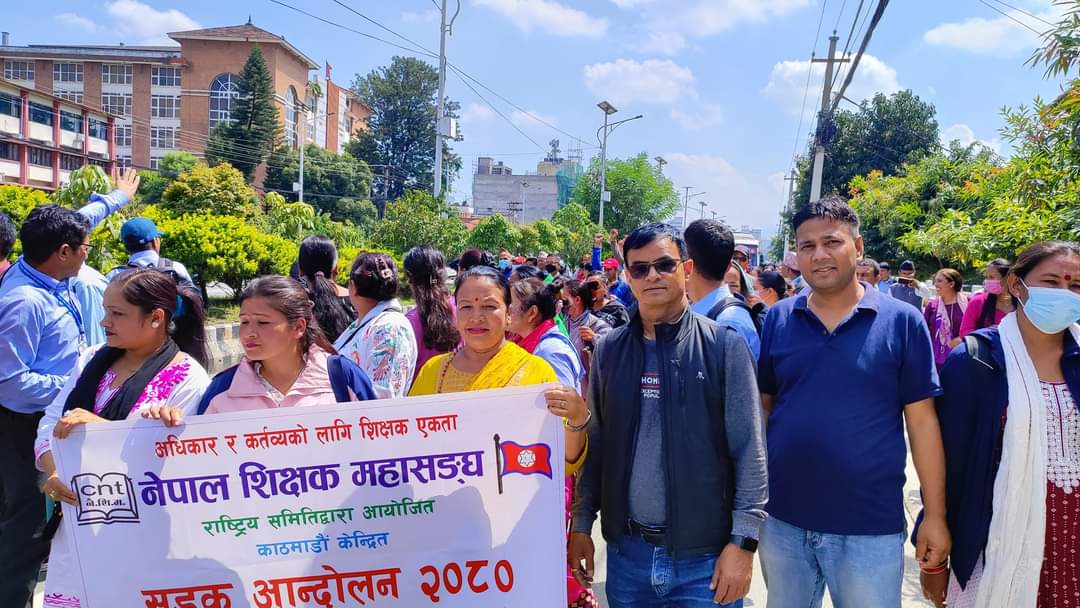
403	502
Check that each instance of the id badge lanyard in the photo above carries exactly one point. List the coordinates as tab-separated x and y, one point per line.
67	302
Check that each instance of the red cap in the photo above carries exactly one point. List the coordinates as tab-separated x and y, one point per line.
518	260
611	263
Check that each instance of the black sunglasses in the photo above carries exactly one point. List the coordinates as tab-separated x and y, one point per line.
593	285
640	270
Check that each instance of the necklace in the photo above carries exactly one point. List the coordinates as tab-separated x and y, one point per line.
445	368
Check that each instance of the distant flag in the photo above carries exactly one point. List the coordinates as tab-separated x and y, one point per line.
531	459
328	68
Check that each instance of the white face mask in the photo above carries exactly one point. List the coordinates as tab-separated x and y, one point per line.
1051	310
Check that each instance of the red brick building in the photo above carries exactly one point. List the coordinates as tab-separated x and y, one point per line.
169	98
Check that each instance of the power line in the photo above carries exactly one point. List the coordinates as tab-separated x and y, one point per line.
847	44
1014	19
862	49
494	109
806	90
1020	10
840	15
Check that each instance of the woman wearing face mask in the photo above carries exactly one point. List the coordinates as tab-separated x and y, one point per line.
585	327
770	287
1011	431
487	360
532	319
381	340
152	361
988	307
288	362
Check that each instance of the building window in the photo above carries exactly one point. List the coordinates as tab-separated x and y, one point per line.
291	112
19	70
67	72
155	162
116	73
70	121
9	151
165	106
163	137
116	103
37	156
41	114
124	162
123	135
101	163
224	90
11	105
70	96
99	129
309	106
70	162
165	76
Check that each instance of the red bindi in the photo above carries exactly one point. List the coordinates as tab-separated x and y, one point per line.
1068	277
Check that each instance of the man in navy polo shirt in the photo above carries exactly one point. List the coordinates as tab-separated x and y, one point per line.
841	370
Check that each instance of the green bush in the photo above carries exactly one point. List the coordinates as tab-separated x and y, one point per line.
220	190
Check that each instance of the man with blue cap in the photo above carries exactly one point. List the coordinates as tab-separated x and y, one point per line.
142	239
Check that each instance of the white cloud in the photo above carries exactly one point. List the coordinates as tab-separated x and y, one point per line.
428	16
671	24
631	3
998	35
966	136
704	116
522	119
787	85
476	112
134	19
548	16
76	21
654	81
738	198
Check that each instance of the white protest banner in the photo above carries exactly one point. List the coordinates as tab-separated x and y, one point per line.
455	500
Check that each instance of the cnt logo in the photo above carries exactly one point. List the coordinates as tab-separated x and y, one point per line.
104	499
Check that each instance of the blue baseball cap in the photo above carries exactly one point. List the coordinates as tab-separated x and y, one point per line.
139	231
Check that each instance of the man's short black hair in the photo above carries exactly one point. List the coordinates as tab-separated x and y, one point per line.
7	236
49	227
830	207
711	245
133	247
907	266
872	264
884	266
648	233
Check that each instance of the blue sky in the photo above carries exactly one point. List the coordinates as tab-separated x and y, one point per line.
721	82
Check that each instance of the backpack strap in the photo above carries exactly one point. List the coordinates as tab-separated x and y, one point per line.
221	383
979	349
734	302
345	376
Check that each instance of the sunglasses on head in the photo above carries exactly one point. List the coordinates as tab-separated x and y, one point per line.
640	270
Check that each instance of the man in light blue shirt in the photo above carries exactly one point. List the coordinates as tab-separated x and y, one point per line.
43	328
142	239
710	245
885	279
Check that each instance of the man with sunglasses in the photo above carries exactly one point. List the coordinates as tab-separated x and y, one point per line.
48	299
678	470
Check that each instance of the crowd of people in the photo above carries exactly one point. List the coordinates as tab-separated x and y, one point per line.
713	407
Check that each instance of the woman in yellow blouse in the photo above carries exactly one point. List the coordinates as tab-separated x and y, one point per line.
486	359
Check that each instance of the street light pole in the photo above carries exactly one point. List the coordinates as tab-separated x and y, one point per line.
438	172
702	203
608	110
686	203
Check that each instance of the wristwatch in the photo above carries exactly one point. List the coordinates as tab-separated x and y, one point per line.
745	543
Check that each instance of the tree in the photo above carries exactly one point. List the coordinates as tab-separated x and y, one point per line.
226	249
220	189
883	134
329	178
549	238
153	183
253	129
417	218
401	131
639	193
81	185
17	202
573	224
493	233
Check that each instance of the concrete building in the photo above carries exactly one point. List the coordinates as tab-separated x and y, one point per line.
522	198
170	97
43	138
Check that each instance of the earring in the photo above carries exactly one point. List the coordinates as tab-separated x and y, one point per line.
155	324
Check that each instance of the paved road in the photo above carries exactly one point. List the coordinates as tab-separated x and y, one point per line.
912	596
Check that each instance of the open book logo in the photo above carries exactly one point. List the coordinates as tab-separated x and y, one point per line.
104	499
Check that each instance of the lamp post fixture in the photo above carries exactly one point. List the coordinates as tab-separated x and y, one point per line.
608	110
686	203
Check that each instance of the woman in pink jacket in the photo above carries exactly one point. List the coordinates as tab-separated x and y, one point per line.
288	361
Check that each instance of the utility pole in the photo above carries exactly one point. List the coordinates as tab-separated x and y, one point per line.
702	203
438	172
787	232
825	114
686	205
301	197
661	161
603	172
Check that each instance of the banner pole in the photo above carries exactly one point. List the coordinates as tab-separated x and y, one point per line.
498	461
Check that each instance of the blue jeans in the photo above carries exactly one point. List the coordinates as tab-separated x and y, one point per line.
860	571
641	575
